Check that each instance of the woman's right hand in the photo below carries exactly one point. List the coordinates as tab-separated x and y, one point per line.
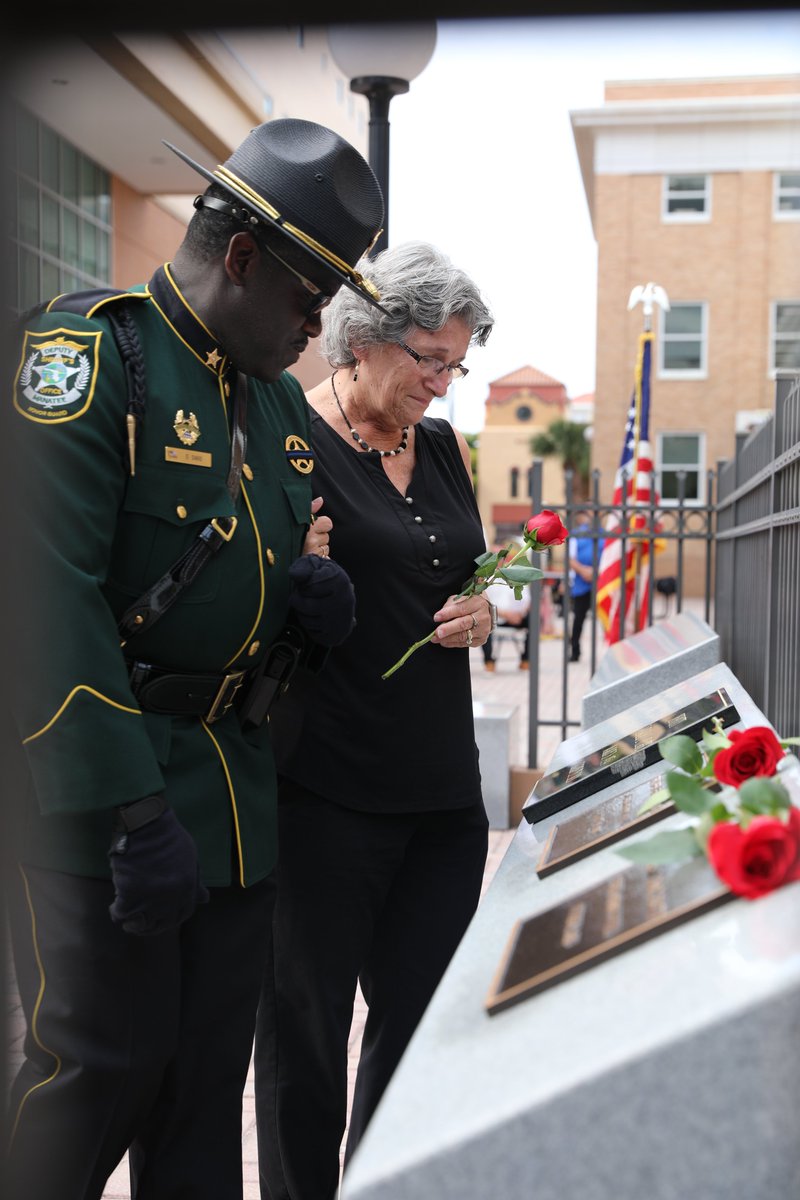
317	540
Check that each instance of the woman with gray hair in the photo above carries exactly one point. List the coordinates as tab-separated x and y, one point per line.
382	827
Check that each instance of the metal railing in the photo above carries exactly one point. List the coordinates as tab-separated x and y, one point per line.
757	600
751	564
663	526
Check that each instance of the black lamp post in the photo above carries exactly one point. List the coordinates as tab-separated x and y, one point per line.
380	60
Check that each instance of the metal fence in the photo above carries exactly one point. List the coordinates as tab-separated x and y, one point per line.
749	525
667	529
757	597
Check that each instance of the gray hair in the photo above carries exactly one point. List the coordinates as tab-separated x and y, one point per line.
419	287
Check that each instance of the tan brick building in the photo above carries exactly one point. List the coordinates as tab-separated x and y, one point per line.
519	405
695	186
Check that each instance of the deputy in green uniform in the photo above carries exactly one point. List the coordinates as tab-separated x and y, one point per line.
165	488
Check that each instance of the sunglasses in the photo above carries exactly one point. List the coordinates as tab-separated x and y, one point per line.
319	300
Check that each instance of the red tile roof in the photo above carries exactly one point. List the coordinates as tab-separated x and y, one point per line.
526	377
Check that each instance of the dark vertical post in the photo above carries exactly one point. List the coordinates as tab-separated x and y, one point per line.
596	527
534	630
379	90
710	527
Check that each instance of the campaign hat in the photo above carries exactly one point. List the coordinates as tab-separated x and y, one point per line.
311	186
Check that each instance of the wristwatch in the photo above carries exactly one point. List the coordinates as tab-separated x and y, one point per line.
492	614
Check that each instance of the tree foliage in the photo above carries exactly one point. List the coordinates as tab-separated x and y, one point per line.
565	440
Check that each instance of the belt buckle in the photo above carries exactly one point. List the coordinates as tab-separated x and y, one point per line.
220	705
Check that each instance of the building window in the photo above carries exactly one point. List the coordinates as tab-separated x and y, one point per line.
683	341
787	196
687	198
681	452
785	323
513	482
60	215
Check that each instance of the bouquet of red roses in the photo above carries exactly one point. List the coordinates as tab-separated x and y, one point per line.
748	828
539	532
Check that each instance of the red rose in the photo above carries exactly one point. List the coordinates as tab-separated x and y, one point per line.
752	752
546	528
758	859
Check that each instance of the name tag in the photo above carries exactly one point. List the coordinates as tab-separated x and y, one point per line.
182	454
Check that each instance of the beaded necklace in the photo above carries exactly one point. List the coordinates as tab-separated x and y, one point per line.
356	436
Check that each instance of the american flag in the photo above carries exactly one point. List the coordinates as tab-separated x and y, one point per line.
636	461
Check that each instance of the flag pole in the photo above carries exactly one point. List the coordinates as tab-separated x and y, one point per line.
647	295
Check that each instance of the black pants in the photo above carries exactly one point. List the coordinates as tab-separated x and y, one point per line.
383	899
132	1042
580	607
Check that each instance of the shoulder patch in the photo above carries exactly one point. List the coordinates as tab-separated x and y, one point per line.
57	374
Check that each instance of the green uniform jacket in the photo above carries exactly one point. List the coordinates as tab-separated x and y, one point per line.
91	538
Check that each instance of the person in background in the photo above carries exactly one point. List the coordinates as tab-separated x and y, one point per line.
582	559
511	614
382	827
160	559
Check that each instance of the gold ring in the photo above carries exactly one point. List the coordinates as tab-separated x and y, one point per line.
474	621
469	637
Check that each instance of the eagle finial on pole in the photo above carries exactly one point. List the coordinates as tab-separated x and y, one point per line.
647	295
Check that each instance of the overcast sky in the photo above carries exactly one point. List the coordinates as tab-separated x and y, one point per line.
483	164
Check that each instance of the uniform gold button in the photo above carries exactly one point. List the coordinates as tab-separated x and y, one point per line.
247	471
182	512
270	557
253	648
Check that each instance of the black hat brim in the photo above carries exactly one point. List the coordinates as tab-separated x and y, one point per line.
267	218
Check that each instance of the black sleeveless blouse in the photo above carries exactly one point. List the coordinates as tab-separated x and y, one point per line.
405	744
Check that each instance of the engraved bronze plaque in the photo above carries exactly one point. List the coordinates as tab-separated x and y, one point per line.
625	756
609	822
592	926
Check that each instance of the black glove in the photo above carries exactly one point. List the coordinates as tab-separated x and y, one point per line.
154	869
323	598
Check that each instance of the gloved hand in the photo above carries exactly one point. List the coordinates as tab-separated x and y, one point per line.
154	868
323	598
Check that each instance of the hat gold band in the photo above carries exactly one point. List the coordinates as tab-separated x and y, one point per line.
237	185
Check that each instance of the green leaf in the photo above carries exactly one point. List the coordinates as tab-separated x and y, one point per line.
707	770
689	795
714	742
762	795
671	845
720	812
488	557
522	575
682	751
653	801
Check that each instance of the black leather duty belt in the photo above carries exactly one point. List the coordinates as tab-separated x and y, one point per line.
190	694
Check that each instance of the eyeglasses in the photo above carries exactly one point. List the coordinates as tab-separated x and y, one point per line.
319	300
435	365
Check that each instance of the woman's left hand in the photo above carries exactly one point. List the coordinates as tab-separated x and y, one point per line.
464	622
317	539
